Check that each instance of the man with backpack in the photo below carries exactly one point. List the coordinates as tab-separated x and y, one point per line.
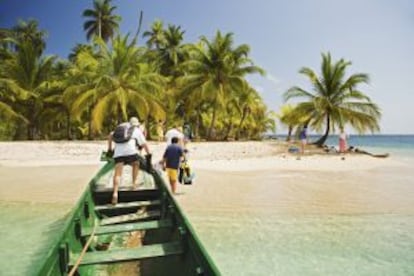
171	161
127	137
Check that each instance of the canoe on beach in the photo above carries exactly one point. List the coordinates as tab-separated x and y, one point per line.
97	233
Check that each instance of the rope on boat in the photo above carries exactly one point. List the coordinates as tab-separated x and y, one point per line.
75	267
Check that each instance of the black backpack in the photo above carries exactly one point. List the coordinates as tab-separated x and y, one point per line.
123	133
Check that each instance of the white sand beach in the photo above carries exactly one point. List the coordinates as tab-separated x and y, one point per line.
58	171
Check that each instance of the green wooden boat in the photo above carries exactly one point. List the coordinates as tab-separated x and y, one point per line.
145	233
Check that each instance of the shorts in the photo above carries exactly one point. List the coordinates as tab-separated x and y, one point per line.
126	160
172	174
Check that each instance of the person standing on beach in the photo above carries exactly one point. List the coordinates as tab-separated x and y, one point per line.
188	133
171	161
342	141
175	132
125	151
160	130
303	136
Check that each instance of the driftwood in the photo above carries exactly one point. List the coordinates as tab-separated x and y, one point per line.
384	155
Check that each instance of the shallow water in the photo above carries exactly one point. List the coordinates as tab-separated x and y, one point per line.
258	223
26	233
270	244
306	223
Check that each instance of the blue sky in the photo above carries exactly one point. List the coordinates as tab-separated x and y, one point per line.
376	35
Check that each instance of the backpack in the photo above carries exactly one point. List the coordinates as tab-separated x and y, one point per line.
123	133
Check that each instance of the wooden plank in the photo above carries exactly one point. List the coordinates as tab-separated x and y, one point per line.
100	189
104	196
130	217
128	227
130	254
123	205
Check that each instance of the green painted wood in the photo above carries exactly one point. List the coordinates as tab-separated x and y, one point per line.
130	254
128	227
130	217
124	205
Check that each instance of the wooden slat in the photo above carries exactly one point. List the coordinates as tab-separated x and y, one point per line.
123	205
124	189
130	254
128	227
130	217
104	196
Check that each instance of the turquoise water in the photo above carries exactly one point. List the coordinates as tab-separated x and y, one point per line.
315	223
264	234
310	244
27	231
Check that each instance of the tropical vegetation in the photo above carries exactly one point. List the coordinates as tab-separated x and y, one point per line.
334	102
113	76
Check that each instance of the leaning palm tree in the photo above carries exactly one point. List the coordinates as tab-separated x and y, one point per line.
100	20
215	71
335	100
117	83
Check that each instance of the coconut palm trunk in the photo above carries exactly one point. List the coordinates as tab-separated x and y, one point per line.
321	141
289	136
213	121
239	129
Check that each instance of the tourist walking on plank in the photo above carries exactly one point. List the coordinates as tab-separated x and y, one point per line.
127	138
171	161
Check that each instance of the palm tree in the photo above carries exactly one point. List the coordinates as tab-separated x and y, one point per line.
100	20
29	31
172	53
247	101
335	100
292	118
215	71
116	82
27	74
77	49
156	36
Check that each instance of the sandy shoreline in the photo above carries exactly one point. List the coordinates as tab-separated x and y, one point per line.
222	156
59	171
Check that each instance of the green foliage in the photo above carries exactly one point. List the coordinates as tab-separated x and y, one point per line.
101	21
335	100
203	84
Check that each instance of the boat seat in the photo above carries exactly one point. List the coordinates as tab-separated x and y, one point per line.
129	254
128	227
131	217
123	205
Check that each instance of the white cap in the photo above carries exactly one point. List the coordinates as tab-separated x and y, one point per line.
134	121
